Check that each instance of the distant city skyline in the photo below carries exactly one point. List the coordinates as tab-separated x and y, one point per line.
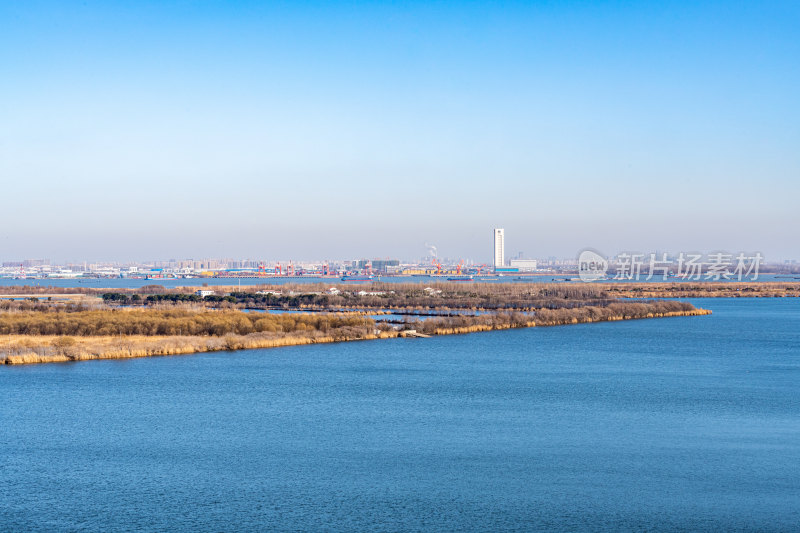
132	130
495	254
520	259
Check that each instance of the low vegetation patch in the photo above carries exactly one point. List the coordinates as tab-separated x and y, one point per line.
36	331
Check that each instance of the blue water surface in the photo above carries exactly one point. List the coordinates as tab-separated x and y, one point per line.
668	424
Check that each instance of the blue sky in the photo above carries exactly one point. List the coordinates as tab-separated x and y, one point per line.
329	130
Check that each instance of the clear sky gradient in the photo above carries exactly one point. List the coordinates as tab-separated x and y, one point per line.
135	130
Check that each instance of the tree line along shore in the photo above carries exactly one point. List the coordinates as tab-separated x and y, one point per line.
141	323
687	289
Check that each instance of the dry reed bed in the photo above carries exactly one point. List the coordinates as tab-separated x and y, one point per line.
656	289
49	349
745	289
169	322
25	349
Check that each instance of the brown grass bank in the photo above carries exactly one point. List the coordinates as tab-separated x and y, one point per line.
41	337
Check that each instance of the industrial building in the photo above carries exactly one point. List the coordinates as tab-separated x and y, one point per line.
379	265
524	265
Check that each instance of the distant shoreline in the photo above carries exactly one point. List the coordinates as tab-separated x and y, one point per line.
702	289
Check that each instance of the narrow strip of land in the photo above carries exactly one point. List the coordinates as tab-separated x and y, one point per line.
684	289
121	326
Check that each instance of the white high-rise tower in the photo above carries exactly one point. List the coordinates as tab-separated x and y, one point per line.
499	248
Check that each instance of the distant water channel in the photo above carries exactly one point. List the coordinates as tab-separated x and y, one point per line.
125	283
668	424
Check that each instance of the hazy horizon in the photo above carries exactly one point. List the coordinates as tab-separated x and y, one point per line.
132	131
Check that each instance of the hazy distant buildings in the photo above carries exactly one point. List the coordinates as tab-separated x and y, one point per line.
524	265
28	263
499	248
377	265
385	265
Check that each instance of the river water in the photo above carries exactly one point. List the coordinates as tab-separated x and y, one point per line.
670	424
